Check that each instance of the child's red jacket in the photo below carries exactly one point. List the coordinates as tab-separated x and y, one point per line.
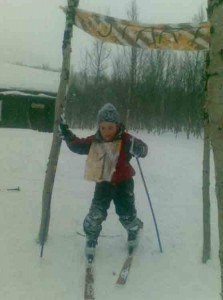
124	170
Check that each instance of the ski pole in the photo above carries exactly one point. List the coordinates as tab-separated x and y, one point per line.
150	203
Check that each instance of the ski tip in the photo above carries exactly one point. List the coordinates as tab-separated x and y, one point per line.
122	279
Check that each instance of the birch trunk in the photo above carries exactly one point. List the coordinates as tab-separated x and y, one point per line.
206	195
215	109
59	107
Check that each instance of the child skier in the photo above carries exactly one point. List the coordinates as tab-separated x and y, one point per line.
109	151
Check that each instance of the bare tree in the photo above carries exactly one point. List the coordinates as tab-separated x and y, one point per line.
56	143
201	17
215	109
206	192
98	60
135	58
84	66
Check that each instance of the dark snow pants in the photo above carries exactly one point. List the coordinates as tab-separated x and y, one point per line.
123	196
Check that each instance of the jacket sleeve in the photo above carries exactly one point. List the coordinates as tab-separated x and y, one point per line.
137	144
143	146
80	145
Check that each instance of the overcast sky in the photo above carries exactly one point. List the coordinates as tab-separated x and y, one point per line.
31	31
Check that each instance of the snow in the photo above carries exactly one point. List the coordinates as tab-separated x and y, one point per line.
26	94
173	172
22	77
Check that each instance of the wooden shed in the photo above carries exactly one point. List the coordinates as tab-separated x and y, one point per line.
27	97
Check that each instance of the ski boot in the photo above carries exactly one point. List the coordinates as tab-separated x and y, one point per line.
90	249
133	237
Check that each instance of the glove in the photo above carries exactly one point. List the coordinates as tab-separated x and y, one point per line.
65	133
138	148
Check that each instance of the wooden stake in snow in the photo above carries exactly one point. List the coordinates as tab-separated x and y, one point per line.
206	193
215	109
59	107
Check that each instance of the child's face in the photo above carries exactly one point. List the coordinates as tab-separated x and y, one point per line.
108	130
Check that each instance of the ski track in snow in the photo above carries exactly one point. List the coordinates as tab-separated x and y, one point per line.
173	172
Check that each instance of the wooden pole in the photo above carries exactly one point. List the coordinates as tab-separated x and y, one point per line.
206	195
215	110
59	108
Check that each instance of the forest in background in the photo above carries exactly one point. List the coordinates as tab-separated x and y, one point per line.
154	90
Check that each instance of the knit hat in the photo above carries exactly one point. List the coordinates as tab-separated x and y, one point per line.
108	113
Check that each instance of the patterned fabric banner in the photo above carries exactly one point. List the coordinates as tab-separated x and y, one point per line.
183	36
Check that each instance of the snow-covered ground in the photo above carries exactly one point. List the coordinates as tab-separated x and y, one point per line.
173	172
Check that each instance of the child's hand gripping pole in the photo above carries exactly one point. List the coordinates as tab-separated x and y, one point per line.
137	148
64	132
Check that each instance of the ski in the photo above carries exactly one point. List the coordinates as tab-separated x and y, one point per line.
132	246
123	276
89	279
101	235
